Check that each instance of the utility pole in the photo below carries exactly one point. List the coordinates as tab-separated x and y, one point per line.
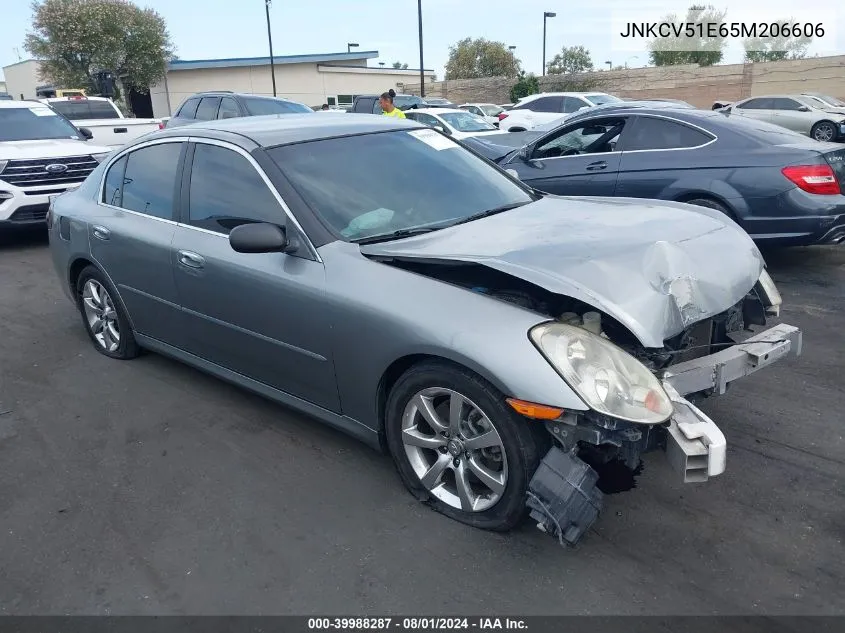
270	40
422	67
546	16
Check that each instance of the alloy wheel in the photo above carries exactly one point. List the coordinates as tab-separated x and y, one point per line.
454	449
824	132
100	314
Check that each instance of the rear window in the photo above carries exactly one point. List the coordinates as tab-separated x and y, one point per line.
258	107
77	110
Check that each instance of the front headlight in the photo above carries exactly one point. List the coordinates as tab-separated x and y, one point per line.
100	157
609	380
772	295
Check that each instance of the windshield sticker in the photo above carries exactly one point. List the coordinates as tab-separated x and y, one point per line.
433	139
42	112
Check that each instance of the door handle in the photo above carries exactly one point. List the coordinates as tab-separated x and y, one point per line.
101	233
597	165
191	260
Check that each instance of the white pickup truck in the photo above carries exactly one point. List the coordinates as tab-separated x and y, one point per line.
41	155
103	118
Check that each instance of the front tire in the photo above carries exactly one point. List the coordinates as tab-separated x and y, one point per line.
459	447
824	131
104	316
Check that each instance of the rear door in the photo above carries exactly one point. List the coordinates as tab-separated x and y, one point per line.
787	113
186	114
576	160
131	237
658	156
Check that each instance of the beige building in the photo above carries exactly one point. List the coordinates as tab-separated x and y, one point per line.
333	78
22	79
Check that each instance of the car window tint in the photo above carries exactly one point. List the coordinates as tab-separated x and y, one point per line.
594	137
228	109
546	104
783	103
259	107
227	191
79	109
189	109
756	104
653	133
150	180
114	179
573	104
377	107
207	109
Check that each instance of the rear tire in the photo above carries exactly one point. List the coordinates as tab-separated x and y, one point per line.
103	316
425	392
824	131
712	204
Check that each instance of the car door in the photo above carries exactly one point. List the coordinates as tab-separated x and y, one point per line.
760	108
658	153
131	236
261	315
575	160
228	109
788	113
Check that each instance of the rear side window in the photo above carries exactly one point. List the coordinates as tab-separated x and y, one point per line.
80	110
189	110
227	191
652	133
258	107
207	109
228	109
756	104
782	103
149	183
114	183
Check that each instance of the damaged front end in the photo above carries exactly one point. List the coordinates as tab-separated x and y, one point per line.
594	454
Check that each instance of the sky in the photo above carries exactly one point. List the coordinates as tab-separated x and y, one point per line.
203	29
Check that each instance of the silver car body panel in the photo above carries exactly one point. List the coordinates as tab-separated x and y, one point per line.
600	251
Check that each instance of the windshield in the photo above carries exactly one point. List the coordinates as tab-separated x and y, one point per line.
34	123
422	179
257	107
829	100
78	109
600	99
491	110
466	122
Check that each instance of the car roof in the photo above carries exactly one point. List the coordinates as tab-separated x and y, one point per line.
229	93
282	129
560	94
79	98
28	103
479	103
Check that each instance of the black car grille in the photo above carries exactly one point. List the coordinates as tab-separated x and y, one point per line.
30	213
33	173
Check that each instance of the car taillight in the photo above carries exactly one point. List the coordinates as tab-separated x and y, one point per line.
818	179
502	115
161	126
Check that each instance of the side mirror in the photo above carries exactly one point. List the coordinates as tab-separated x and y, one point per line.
525	151
86	133
803	108
259	238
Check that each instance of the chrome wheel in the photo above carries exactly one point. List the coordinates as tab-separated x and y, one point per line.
101	315
824	132
454	449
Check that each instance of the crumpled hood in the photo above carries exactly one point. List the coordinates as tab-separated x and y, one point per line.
48	148
656	267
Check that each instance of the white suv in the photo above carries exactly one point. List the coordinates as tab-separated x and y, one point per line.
41	155
535	110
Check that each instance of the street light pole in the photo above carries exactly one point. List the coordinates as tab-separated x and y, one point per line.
422	71
349	46
546	15
270	41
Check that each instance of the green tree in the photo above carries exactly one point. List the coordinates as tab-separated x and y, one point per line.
75	39
571	59
704	51
471	59
774	49
400	66
527	85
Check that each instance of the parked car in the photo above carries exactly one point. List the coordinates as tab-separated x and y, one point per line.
209	106
438	101
494	340
781	187
489	111
794	112
369	104
42	154
6	96
456	123
678	103
537	109
100	115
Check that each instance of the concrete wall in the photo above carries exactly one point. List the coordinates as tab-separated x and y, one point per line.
698	86
22	79
309	83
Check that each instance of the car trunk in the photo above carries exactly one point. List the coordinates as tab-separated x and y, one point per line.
836	160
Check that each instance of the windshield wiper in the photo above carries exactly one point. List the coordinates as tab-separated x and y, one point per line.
395	235
489	212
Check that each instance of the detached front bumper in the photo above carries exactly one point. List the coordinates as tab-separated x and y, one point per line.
695	446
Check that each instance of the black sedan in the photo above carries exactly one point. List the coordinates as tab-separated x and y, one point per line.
781	187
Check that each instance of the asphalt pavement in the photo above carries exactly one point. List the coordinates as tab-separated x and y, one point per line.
146	487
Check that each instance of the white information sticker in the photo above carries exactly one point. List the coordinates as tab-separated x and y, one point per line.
42	112
433	139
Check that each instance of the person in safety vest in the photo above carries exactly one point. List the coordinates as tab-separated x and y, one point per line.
386	103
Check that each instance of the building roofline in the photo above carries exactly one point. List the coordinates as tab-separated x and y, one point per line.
23	61
231	62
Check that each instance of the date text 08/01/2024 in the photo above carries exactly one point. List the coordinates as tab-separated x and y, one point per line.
762	30
481	624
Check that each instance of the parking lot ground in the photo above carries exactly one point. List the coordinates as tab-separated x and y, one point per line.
147	487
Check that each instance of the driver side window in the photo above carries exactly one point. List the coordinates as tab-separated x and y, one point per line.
593	137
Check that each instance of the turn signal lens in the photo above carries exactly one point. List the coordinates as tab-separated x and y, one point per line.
534	410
